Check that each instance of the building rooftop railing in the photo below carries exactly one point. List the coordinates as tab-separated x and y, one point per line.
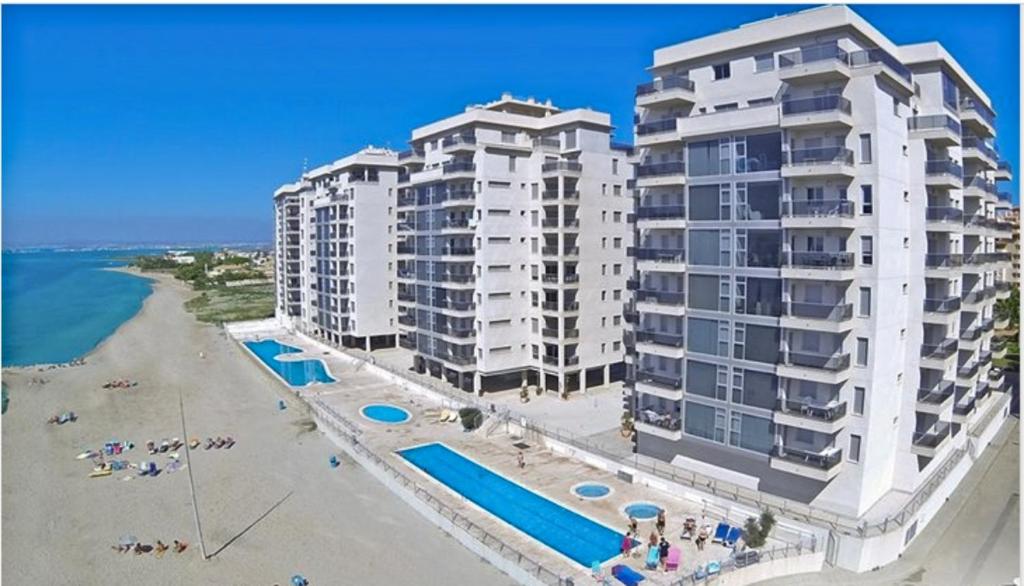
817	53
873	56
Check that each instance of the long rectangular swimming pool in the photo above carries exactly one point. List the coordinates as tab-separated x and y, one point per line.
296	373
577	537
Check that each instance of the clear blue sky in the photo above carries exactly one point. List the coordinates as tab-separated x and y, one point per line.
175	123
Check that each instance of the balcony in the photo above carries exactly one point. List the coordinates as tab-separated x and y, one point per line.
458	251
670	428
943	174
660	338
656	132
935	399
456	225
821	466
817	316
410	157
827	418
554	306
455	305
405	249
666	382
822	112
823	368
458	143
663	259
968	371
822	63
407	320
659	174
555	195
669	90
654	216
664	302
983	390
978	186
928	443
942	311
1004	172
885	67
977	150
963	411
940	129
977	117
818	265
572	168
458	169
818	214
943	262
726	122
937	356
818	162
944	219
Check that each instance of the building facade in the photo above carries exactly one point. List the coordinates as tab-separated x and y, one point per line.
815	263
336	251
513	230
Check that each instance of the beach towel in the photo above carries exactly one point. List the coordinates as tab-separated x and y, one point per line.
627	575
672	561
652	558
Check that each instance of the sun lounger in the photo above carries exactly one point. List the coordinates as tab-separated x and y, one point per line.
652	559
714	568
627	575
721	532
734	534
443	418
453	417
672	561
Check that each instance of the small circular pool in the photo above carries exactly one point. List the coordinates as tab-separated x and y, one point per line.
591	490
382	413
642	511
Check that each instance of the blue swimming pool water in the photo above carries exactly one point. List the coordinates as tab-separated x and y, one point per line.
642	511
592	491
296	373
385	413
567	532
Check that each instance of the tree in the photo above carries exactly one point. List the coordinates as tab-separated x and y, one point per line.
1009	309
755	531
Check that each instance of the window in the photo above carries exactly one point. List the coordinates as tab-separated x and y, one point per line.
864	308
866	200
507	136
615	166
764	62
722	71
617	294
895	106
854	448
866	254
617	243
616	346
858	400
617	217
617	269
906	242
616	320
511	164
865	148
862	351
617	190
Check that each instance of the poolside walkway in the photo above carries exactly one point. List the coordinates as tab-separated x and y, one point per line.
548	474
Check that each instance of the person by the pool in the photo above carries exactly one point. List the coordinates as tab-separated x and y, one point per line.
627	544
663	551
660	523
633	525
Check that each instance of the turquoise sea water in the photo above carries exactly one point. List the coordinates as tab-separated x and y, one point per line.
59	305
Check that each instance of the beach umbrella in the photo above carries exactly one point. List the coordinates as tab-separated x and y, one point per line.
128	539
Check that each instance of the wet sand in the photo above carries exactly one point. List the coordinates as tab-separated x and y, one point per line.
334	526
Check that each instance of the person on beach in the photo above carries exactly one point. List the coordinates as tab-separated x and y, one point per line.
702	537
180	546
660	523
663	552
160	548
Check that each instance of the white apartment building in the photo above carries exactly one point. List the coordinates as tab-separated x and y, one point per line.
815	271
513	232
336	251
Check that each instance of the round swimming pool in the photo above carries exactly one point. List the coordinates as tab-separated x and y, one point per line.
642	511
591	490
382	413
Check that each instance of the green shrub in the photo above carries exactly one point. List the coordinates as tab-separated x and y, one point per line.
755	531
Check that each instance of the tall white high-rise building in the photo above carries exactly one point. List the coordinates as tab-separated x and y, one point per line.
815	270
336	251
512	254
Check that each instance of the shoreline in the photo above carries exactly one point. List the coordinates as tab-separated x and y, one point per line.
80	359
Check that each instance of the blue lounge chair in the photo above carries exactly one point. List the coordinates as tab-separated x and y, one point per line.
721	532
627	575
653	557
732	537
714	568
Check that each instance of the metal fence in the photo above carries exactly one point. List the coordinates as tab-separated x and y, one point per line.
750	558
779	506
349	432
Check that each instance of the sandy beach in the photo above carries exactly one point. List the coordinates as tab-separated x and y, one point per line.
270	507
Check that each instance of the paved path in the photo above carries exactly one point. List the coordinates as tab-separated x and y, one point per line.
974	539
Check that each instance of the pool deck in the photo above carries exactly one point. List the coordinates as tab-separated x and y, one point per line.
546	473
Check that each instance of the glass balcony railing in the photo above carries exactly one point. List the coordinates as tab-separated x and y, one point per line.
941	350
840	208
658	169
458	167
458	140
971	105
826	460
943	214
937	394
816	54
968	370
981	183
818	260
972	142
823	311
656	127
832	103
549	194
831	362
660	297
657	254
824	411
966	408
649	212
665	83
944	305
943	260
932	437
660	338
664	380
934	122
873	56
818	156
554	166
943	168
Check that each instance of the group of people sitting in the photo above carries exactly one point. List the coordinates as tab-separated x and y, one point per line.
121	383
175	444
62	418
158	550
699	535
